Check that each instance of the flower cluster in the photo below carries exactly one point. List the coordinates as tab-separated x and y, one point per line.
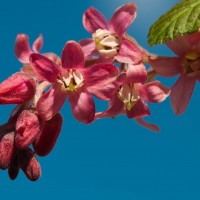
110	66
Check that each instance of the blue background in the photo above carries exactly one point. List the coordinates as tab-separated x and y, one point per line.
109	159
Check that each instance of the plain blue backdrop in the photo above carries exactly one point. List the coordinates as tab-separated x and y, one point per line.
109	159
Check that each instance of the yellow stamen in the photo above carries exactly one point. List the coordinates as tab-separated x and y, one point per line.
129	106
71	87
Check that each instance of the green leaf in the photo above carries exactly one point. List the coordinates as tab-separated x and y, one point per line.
183	18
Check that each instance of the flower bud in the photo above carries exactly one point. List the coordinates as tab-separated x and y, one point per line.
13	169
7	150
17	89
46	139
29	164
27	128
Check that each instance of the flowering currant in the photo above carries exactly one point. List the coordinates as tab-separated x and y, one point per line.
72	81
186	63
109	38
131	93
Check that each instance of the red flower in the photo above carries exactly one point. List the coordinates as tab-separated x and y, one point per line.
187	64
72	81
109	38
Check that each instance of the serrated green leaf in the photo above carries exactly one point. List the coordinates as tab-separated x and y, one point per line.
183	18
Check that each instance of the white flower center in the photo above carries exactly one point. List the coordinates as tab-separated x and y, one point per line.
129	94
106	42
71	79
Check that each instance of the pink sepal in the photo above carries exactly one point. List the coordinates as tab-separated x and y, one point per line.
115	108
51	102
22	48
93	20
72	56
129	53
99	74
140	109
122	18
152	127
45	68
82	105
38	43
154	92
181	93
166	66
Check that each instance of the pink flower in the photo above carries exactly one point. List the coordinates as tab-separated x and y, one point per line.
131	95
74	82
22	47
187	64
23	51
109	39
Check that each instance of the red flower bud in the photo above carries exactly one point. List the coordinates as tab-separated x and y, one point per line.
29	164
7	150
46	139
17	89
27	128
13	169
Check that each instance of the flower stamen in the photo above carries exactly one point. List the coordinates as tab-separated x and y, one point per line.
129	94
71	79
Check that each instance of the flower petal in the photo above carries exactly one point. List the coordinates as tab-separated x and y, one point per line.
166	66
105	91
152	127
45	69
154	92
116	107
140	109
72	56
145	53
88	46
181	93
22	48
82	105
51	102
129	53
17	89
183	44
93	20
122	18
99	74
38	43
